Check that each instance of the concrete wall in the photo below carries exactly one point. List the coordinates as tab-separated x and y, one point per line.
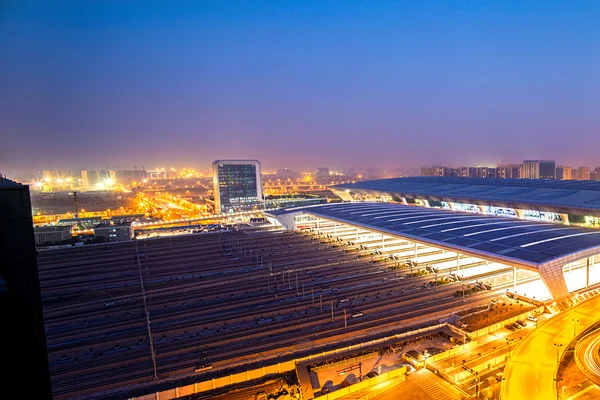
273	369
493	328
367	383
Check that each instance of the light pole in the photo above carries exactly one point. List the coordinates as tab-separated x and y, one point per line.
331	310
575	321
508	343
494	355
558	346
463	290
436	282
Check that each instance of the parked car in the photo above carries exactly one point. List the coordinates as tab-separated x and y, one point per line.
522	323
532	318
510	327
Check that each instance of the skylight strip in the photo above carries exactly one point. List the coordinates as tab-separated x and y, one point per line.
527	233
559	238
476	225
441	219
501	229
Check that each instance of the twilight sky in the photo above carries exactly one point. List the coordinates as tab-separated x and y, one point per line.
298	83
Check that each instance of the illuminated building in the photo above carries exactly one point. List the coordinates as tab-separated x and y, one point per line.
237	185
114	232
538	169
563	173
84	179
581	174
23	354
510	171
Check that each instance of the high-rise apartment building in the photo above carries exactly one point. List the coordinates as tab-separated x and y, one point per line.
23	352
582	174
508	171
563	172
538	169
237	185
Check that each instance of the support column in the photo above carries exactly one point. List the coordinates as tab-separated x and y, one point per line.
416	255
425	203
520	213
457	262
587	272
514	278
382	245
451	205
404	200
356	235
564	218
554	279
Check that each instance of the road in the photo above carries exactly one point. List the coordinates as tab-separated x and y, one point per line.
529	373
588	359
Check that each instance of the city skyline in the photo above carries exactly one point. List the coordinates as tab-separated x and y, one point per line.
393	85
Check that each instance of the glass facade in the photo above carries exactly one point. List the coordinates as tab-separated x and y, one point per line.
238	186
547	170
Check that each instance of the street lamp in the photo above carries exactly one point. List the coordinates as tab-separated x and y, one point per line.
558	346
508	343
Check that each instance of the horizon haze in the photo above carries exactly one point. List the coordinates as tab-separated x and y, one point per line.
298	84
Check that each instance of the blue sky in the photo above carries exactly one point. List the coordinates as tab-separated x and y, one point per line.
298	83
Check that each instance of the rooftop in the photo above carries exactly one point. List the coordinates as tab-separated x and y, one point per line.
561	196
52	228
5	182
113	225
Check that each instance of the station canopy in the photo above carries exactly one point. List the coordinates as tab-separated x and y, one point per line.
509	240
560	196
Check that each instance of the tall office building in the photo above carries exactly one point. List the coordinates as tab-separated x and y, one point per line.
538	169
563	172
23	352
237	185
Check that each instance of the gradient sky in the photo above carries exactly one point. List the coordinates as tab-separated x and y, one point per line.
298	83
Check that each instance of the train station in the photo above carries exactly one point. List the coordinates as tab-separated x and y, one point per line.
540	259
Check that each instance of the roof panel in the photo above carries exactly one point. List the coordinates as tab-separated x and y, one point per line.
577	197
524	241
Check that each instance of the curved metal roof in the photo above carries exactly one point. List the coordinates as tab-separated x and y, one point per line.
572	197
526	243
